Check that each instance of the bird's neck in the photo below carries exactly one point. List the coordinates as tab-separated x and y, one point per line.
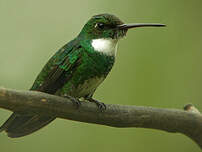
106	46
102	52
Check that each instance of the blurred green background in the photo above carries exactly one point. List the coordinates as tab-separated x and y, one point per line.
158	67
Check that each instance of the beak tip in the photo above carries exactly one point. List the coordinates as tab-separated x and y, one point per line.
164	25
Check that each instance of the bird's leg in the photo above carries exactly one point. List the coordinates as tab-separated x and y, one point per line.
99	104
75	101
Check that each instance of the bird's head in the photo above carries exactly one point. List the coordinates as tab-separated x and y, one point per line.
109	26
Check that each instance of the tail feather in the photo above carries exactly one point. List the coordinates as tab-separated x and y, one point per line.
8	121
19	125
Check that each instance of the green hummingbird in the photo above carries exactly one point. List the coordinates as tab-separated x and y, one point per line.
75	70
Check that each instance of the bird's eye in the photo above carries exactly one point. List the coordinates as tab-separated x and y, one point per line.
100	25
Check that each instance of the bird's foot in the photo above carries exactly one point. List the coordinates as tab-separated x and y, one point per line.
75	101
101	106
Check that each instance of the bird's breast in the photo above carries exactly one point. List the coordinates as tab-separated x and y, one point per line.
89	86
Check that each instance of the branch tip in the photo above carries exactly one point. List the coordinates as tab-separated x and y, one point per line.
191	108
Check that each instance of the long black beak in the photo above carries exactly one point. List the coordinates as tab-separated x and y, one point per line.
129	26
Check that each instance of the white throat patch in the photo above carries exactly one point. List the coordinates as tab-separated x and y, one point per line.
106	46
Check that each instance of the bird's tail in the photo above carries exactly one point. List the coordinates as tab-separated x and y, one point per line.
19	125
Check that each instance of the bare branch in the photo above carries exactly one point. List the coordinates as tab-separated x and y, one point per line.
170	120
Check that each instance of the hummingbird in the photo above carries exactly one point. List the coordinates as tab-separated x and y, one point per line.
75	70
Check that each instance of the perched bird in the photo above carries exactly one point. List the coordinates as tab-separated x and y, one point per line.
76	69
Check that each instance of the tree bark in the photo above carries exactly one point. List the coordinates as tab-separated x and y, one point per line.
186	122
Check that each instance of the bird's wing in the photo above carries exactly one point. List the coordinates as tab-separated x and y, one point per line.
52	77
54	74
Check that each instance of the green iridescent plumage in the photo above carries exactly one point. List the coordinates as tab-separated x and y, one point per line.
77	69
70	68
